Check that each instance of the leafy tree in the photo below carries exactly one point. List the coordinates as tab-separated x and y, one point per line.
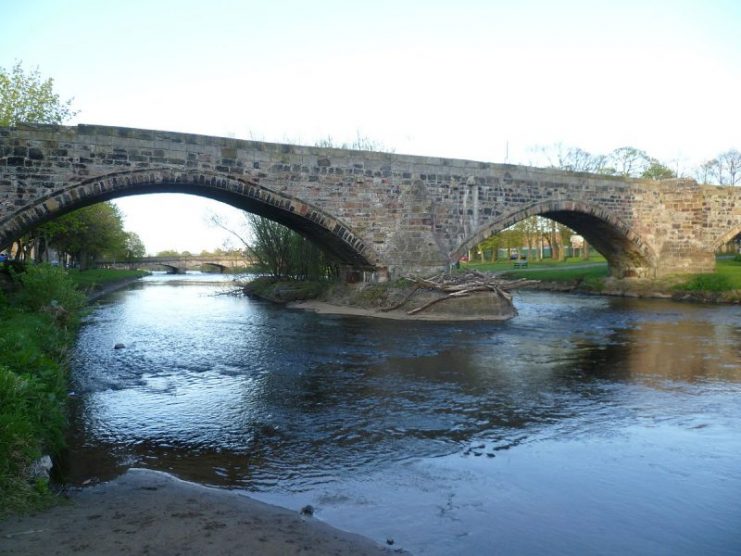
86	234
168	253
286	254
658	171
26	97
133	247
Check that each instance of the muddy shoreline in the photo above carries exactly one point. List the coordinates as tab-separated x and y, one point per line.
150	512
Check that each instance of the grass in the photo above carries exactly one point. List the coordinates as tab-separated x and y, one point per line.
504	265
87	280
727	277
566	275
38	320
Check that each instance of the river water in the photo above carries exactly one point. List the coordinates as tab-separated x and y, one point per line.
585	425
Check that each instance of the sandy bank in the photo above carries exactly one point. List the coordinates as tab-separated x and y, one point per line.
322	307
148	512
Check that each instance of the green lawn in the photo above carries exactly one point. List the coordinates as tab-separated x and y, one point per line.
561	275
90	279
504	265
727	276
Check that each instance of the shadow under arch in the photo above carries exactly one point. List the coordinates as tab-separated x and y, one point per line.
313	223
627	255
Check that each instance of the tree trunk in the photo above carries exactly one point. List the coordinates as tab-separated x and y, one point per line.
585	251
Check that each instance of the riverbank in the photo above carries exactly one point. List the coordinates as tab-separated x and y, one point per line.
722	286
100	282
148	512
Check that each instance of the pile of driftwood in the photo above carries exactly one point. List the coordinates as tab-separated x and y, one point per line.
453	286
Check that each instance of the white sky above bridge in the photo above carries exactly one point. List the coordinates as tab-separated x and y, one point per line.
480	80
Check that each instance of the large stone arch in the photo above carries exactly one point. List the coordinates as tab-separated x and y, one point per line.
240	192
627	255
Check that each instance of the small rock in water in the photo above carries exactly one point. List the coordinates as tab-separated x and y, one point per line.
307	510
389	541
119	346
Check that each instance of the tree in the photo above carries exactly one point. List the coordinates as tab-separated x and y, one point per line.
360	143
133	247
628	162
658	171
168	253
86	234
571	159
725	169
26	97
730	165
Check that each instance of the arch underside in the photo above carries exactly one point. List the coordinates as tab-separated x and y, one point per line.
734	234
626	254
623	255
322	229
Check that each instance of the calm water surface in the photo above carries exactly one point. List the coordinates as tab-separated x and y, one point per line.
583	426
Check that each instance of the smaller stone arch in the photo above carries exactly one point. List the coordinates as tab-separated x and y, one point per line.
627	255
243	193
725	238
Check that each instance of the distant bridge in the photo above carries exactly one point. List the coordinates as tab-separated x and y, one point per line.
180	263
379	212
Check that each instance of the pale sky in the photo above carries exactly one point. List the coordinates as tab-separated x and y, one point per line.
463	79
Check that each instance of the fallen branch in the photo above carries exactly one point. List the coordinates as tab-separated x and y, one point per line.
461	286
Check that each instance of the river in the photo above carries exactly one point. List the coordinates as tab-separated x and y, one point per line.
586	425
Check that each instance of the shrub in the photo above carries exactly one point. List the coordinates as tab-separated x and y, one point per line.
46	286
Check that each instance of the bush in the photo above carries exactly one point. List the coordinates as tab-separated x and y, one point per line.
44	286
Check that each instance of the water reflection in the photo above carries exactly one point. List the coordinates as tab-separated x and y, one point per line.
294	405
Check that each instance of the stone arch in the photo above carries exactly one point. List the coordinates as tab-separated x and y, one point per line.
240	192
627	255
725	238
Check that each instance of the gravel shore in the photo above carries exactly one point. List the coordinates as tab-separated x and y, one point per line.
149	512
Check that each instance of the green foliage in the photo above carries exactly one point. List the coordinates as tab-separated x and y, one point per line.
25	97
47	287
133	247
727	277
285	291
589	275
285	254
34	334
657	171
89	233
169	253
706	283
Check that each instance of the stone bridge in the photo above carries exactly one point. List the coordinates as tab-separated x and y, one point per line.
181	263
379	212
